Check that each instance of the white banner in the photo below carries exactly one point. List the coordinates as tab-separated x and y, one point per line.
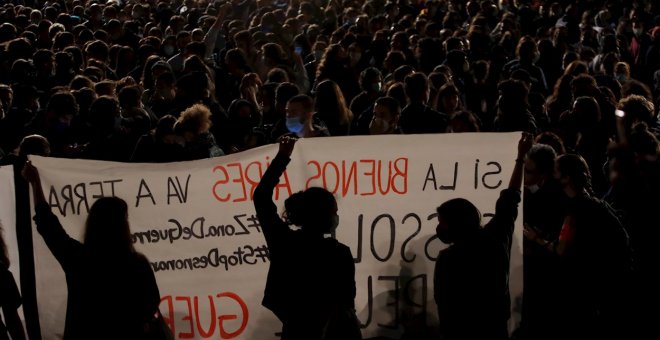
195	222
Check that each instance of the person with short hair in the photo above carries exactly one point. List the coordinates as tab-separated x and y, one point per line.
417	116
320	305
300	118
471	275
385	118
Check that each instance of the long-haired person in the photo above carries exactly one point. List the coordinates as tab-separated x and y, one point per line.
331	108
112	291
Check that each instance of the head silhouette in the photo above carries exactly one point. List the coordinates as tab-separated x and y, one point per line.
573	173
107	230
314	209
458	218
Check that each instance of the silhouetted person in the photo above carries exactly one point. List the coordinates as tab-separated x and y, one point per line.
311	280
105	264
417	116
595	272
544	206
471	275
10	299
160	145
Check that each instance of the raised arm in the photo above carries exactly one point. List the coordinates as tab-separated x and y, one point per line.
272	225
64	248
211	37
506	208
31	175
524	145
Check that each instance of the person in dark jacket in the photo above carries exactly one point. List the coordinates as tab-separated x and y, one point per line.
104	264
194	126
513	108
311	280
417	116
471	275
596	259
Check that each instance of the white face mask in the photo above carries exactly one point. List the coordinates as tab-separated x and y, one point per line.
621	78
533	188
379	126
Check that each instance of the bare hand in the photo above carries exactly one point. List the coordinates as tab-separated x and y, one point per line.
525	144
30	173
287	142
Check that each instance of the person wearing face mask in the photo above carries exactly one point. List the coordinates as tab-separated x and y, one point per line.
528	55
386	114
595	268
471	275
371	83
544	206
300	119
311	279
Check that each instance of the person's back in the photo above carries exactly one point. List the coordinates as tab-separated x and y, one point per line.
598	265
421	118
112	290
417	117
305	288
117	292
472	290
102	289
311	279
471	280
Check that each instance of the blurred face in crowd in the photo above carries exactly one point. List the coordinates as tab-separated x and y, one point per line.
383	121
296	117
532	179
183	41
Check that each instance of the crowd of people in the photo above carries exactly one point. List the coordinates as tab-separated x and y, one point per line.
163	81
